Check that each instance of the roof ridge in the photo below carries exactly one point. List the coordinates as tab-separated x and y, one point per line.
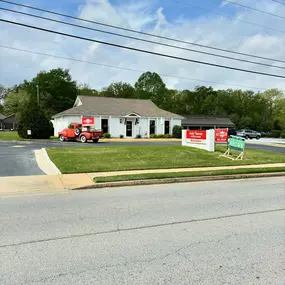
120	98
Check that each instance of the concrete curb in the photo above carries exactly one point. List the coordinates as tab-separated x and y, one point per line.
180	180
56	170
44	162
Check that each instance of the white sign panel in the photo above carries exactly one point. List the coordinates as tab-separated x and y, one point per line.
199	139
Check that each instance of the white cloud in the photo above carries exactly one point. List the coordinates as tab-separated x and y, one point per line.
145	16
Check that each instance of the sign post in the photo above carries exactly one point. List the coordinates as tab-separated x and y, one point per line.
237	144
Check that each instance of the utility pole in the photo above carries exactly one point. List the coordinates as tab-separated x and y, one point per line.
38	94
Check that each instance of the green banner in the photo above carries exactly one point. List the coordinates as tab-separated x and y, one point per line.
236	143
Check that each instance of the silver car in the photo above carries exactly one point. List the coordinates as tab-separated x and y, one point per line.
249	134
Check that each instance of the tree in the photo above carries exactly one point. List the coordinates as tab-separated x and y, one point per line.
85	89
33	118
118	90
57	90
15	101
151	86
3	93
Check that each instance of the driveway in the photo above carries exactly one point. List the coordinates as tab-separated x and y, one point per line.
18	159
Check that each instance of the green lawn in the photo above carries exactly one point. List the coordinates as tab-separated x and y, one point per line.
147	176
12	136
9	136
116	158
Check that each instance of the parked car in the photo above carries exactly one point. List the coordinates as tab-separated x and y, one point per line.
249	134
76	131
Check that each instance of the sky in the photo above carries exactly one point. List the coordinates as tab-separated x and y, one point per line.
208	22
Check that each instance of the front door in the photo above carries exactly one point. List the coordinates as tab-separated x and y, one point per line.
129	129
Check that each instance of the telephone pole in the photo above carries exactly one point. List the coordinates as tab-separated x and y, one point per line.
38	94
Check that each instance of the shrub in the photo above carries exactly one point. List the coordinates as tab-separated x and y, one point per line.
168	136
33	118
283	135
138	136
121	136
275	134
177	132
160	136
153	136
106	136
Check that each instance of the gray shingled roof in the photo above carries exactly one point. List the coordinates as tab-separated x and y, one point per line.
109	106
199	120
2	116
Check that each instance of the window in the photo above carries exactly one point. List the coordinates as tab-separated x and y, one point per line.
104	126
71	126
152	127
166	127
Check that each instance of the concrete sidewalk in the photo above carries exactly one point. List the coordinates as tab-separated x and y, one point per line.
42	184
62	183
27	185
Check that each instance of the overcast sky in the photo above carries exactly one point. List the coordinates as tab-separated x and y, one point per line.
171	18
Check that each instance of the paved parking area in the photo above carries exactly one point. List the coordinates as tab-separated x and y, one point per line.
18	159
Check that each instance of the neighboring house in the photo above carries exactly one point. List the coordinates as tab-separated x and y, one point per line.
119	116
8	123
2	117
202	122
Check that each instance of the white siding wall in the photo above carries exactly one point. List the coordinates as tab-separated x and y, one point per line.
143	127
61	123
115	127
174	122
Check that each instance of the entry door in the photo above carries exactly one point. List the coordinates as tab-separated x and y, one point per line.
129	129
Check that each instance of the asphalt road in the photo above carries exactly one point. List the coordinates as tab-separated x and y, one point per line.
17	157
230	232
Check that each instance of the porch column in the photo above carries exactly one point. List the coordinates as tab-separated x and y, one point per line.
110	125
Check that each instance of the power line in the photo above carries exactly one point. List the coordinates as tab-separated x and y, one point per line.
282	3
142	33
226	15
143	40
124	68
141	50
254	9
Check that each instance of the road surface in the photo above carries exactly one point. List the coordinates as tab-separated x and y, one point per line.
230	232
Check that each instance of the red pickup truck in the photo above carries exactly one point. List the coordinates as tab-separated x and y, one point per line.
76	131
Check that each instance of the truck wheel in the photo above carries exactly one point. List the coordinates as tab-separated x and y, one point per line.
258	137
83	139
96	141
246	137
61	138
77	132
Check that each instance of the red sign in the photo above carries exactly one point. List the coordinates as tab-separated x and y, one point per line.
221	135
87	121
196	136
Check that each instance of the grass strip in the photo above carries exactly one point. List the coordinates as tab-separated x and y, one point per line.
165	175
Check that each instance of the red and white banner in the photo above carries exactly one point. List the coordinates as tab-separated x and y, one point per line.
221	135
196	136
87	121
